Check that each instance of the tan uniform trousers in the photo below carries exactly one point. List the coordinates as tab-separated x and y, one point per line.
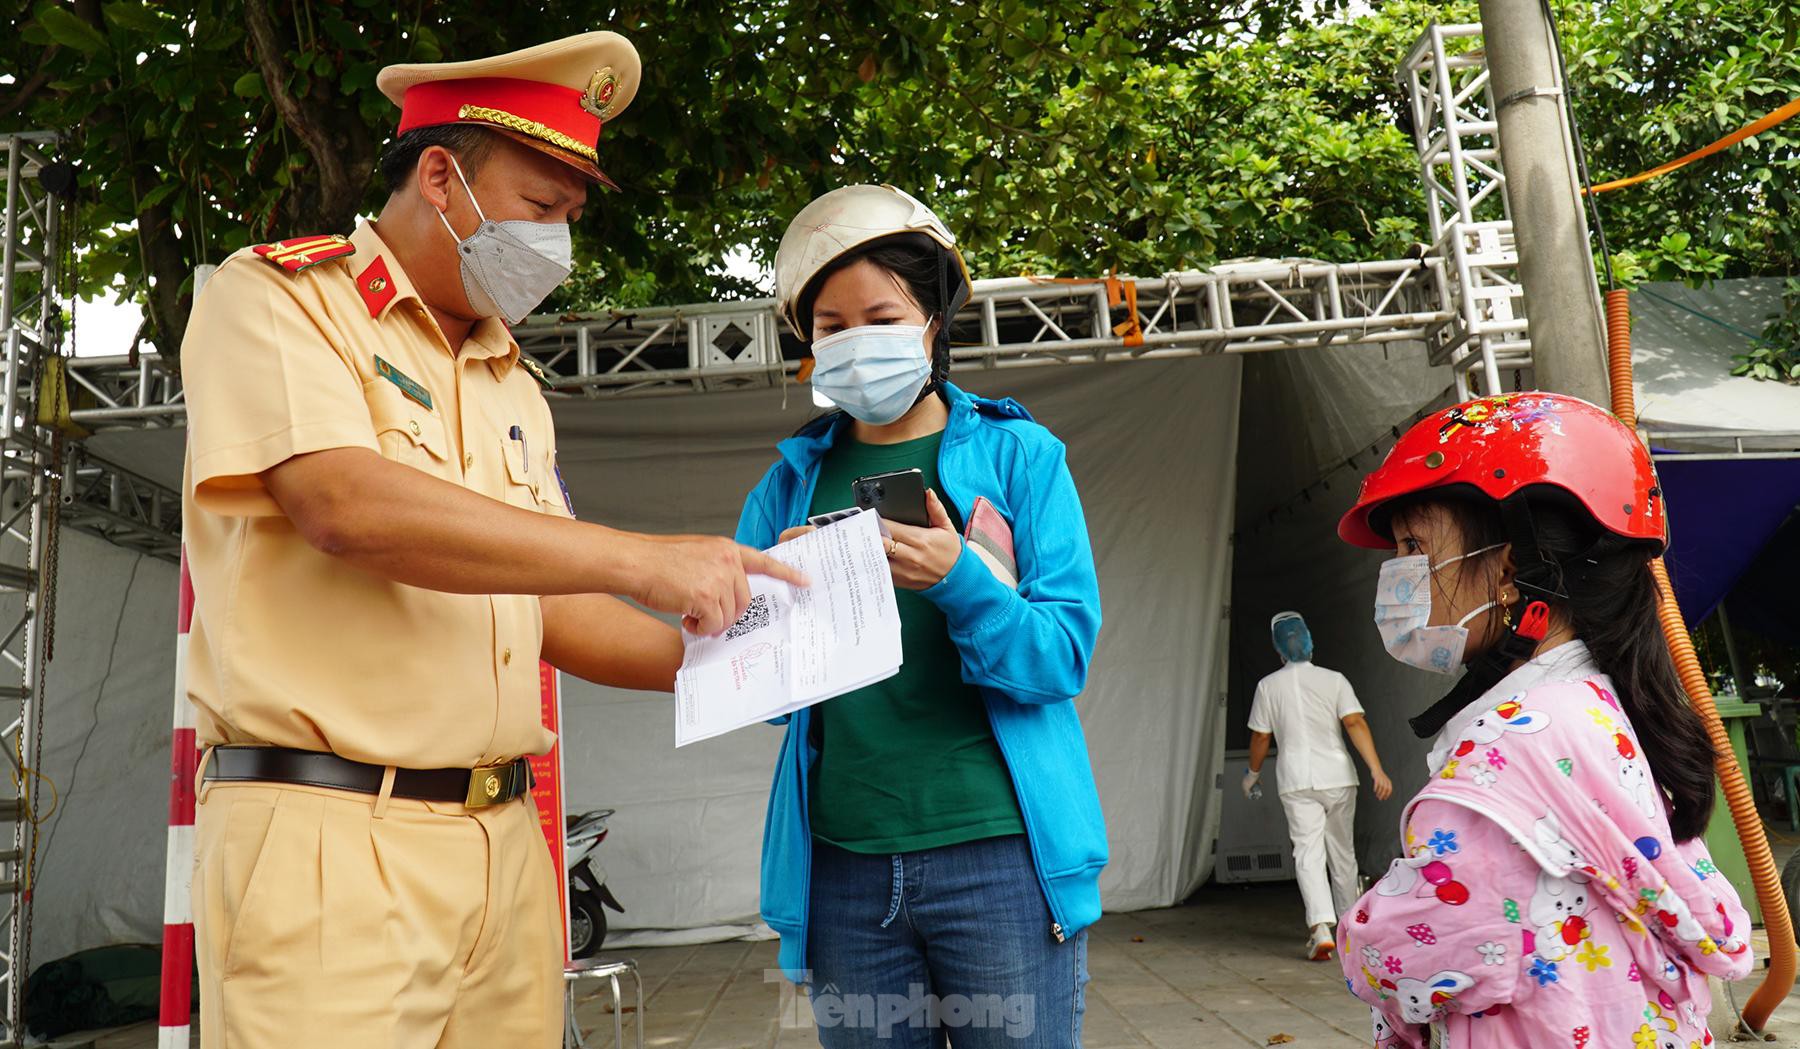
319	923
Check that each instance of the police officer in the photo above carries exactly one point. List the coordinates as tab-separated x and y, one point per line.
381	549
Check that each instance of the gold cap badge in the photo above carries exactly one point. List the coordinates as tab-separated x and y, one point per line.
598	97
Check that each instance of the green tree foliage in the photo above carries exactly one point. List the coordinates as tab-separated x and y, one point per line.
1657	79
1660	79
205	125
1775	356
1054	137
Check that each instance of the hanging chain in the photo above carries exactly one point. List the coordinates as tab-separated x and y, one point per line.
50	525
60	278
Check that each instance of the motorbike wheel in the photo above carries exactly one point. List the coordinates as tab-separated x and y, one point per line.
587	925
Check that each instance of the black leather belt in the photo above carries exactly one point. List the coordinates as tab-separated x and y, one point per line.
476	788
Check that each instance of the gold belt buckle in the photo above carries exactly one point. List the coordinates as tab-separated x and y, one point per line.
490	785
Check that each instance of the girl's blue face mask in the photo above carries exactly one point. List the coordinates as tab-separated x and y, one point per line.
874	372
1403	614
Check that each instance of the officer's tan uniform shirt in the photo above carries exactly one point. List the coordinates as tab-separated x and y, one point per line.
292	647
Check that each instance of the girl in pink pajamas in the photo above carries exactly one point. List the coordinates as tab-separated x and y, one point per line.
1553	890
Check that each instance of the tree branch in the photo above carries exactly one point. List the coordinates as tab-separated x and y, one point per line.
166	263
339	190
160	248
33	85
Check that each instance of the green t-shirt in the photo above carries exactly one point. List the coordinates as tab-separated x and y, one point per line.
907	763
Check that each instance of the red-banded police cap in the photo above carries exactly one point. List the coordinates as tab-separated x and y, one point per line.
555	97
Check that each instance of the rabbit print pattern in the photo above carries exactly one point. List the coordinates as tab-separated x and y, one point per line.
1541	901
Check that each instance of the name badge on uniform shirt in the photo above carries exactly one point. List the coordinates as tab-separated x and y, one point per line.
407	386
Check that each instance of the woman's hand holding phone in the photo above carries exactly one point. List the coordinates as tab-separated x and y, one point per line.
920	558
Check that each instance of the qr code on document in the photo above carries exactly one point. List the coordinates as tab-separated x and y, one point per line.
757	616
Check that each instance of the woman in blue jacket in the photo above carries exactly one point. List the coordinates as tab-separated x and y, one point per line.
934	842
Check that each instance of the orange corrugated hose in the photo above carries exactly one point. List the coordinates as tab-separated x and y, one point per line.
1618	355
1780	977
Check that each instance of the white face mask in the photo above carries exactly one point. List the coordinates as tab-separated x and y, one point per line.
874	372
1403	610
508	268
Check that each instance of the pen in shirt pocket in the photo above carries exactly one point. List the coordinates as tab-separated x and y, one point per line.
524	451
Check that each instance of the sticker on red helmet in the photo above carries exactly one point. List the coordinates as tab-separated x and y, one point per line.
1488	415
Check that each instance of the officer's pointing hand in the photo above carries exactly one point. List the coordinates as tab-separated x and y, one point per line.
706	580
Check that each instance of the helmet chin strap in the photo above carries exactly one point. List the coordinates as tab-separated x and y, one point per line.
1540	582
940	371
1518	644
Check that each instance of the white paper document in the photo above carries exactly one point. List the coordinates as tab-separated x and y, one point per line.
796	646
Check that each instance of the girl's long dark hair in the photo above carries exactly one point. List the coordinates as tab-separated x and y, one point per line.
1613	601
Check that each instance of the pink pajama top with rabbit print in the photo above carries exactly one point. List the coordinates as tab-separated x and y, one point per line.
1541	902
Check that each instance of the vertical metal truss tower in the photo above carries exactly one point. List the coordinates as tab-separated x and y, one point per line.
31	330
1455	127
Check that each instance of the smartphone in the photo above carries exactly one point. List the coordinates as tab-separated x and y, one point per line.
897	496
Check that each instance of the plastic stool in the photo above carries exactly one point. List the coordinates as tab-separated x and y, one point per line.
595	969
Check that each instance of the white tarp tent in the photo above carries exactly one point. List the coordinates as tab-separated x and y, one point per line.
1309	412
106	749
1682	340
1168	456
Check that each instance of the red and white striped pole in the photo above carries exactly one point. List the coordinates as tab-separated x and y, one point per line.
178	907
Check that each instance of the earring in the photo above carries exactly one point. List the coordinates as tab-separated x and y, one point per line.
1506	615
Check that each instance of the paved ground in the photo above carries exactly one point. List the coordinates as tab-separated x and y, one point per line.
1222	970
1180	977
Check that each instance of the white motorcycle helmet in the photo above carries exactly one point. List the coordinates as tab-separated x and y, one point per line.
848	218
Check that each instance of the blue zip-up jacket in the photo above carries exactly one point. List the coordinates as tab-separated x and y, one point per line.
1027	650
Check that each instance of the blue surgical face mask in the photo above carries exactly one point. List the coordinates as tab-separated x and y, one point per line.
874	372
1403	612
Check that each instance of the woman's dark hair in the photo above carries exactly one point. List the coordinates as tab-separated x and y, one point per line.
919	265
1612	604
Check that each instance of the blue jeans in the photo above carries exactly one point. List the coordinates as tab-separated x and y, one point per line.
915	948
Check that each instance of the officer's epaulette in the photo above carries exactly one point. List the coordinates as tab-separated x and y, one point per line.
298	253
537	371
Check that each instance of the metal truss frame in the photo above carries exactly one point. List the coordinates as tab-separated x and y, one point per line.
1456	131
124	508
30	331
1011	322
1460	295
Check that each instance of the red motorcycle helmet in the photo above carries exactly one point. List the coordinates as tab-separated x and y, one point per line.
1542	444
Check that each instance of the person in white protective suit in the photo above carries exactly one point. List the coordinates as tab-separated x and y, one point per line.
1303	706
